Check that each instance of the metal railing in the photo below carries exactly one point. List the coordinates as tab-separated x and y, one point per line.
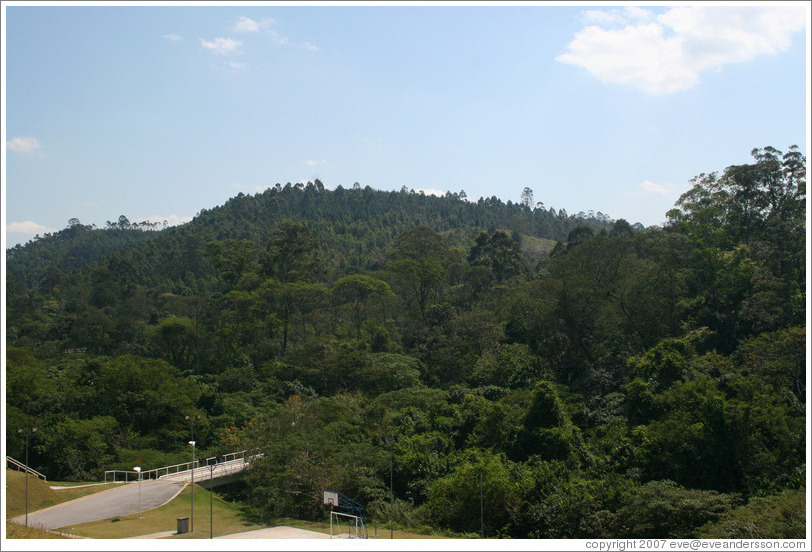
211	471
22	467
149	474
230	463
113	476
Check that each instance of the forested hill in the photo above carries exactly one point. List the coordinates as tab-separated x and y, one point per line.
74	247
596	379
355	225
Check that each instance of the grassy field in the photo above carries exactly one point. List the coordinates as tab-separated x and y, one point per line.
17	531
40	494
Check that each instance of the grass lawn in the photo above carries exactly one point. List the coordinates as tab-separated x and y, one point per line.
227	519
40	493
17	531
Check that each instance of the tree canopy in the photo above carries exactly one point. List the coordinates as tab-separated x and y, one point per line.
589	378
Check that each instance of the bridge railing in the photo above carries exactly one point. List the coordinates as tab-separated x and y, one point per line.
234	461
221	469
113	475
158	472
22	467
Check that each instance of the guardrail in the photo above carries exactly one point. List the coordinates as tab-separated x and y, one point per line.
22	467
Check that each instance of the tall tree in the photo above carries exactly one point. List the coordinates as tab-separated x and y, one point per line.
527	197
355	292
292	254
421	259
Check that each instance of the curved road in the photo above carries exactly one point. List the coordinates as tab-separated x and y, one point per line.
120	501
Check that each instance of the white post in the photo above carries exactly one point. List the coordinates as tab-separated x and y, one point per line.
192	519
138	471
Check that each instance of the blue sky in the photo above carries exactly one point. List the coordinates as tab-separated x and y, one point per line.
158	111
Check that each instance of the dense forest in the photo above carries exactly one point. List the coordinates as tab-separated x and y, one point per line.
589	377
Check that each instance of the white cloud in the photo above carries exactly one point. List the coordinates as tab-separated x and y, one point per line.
28	227
23	144
666	189
636	12
602	17
430	191
234	64
616	16
279	39
668	53
222	46
172	37
171	220
245	25
248	25
313	162
22	232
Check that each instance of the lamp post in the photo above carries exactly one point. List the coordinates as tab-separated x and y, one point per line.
192	442
21	432
211	502
192	519
192	422
138	471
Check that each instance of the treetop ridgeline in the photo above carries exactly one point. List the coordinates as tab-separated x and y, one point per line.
600	379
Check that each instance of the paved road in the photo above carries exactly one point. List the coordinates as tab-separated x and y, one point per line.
120	501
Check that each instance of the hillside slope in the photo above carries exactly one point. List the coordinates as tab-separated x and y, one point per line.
359	224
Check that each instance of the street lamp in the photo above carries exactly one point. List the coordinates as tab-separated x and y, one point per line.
192	422
138	470
211	502
21	432
192	442
192	519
